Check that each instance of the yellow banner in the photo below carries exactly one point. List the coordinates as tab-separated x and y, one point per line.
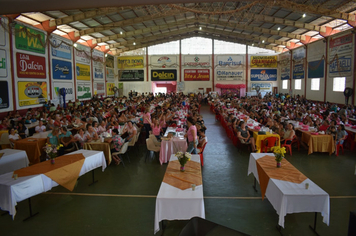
129	62
83	72
32	93
110	89
264	61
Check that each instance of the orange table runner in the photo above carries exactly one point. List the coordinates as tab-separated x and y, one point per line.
267	168
183	180
33	148
65	171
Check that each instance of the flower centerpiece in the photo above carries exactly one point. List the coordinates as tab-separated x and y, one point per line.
279	154
183	158
52	151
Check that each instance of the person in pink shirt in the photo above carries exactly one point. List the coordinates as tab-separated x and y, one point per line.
146	121
156	127
192	136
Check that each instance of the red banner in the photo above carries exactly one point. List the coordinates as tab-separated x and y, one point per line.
29	66
197	75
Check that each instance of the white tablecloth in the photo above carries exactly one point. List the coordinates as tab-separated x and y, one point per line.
42	134
175	204
287	197
171	147
12	160
14	191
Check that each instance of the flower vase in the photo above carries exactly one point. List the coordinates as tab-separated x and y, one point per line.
278	164
52	161
182	168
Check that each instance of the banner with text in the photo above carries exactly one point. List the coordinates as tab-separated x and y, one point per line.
341	66
110	75
163	61
82	54
60	49
68	87
99	89
83	72
196	61
3	33
341	45
263	86
110	89
263	61
4	95
32	93
298	60
129	62
29	39
230	61
30	66
83	90
3	63
284	60
131	75
263	74
196	75
237	75
61	69
163	75
98	66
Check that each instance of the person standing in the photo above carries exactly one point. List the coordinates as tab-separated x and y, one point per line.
192	136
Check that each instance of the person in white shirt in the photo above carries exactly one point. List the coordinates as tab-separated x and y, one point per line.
91	134
40	127
13	136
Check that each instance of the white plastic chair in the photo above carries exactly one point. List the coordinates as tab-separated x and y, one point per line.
122	151
151	147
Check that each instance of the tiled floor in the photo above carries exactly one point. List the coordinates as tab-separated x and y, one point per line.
123	201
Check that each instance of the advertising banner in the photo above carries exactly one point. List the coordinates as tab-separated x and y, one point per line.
61	69
60	49
129	62
230	61
341	45
341	66
4	95
298	71
237	75
3	35
82	54
98	67
195	61
68	87
131	75
29	39
263	86
316	69
263	61
3	63
32	93
163	75
109	61
163	61
263	74
284	60
110	89
121	85
110	75
83	72
99	89
197	75
30	66
298	67
83	90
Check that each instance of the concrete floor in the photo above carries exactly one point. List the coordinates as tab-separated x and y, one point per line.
123	201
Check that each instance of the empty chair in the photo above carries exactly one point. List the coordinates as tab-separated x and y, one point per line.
155	141
151	147
122	151
289	146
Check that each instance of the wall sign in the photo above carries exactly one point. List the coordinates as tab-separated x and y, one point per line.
110	75
263	74
83	90
3	33
284	60
163	75
222	75
341	45
264	61
131	75
298	68
196	75
4	95
30	66
316	69
99	89
32	93
61	49
342	66
3	63
129	62
298	71
231	61
263	86
163	61
110	89
29	39
195	61
68	87
61	69
82	54
98	67
83	72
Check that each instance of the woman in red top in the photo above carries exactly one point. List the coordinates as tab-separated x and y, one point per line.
324	126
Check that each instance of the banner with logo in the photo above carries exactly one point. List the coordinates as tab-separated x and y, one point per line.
110	89
196	75
82	54
4	95
237	75
341	45
83	72
32	93
68	87
163	61
29	39
30	66
284	62
263	86
131	75
109	61
230	61
263	61
83	90
298	61
196	61
341	66
98	67
163	75
263	74
99	89
60	49
3	63
316	69
129	62
61	69
110	75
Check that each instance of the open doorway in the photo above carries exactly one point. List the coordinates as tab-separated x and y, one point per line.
164	87
160	90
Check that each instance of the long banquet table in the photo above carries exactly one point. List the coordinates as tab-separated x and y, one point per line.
13	191
172	203
318	143
287	197
12	159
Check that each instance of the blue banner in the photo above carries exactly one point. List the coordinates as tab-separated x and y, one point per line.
316	69
341	66
61	49
61	69
263	74
298	71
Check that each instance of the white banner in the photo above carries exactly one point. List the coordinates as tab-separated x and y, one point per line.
230	61
196	61
98	67
99	89
82	54
3	63
69	90
237	75
163	61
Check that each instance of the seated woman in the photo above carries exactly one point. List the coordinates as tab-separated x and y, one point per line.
53	137
341	134
244	135
288	134
91	134
202	140
80	138
117	142
22	130
130	130
66	138
13	136
102	127
122	119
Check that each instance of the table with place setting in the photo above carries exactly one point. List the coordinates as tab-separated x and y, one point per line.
173	144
